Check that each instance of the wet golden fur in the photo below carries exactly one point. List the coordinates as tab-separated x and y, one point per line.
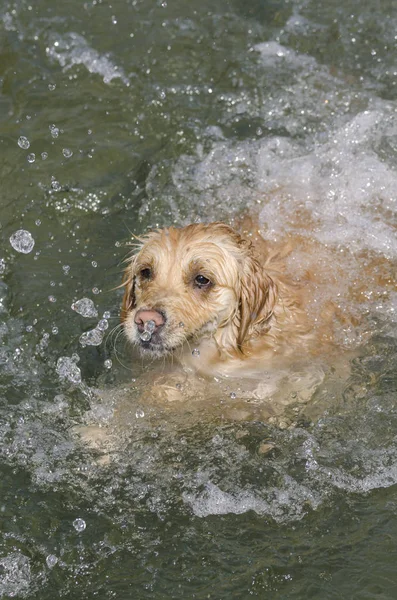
250	315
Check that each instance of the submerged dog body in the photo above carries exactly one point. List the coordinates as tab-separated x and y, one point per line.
207	287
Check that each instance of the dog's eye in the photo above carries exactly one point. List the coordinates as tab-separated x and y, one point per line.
202	282
146	273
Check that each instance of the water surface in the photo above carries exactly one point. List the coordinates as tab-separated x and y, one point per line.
115	118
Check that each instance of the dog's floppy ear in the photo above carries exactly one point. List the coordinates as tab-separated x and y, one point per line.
257	296
129	289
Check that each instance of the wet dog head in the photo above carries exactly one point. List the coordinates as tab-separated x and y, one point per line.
201	280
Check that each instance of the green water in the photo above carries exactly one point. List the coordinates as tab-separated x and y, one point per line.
146	114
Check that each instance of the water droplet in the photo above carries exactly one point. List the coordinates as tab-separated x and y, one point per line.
67	369
79	525
31	157
148	329
23	142
22	241
108	363
54	131
85	307
67	152
150	326
56	186
196	352
139	413
44	155
51	560
93	337
103	325
181	324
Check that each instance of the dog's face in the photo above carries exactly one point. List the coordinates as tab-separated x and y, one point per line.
190	282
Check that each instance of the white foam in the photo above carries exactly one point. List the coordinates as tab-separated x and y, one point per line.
288	502
15	575
342	183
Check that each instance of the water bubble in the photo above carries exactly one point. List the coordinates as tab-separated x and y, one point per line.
37	222
66	269
233	395
52	298
79	525
93	337
196	352
145	336
22	241
108	363
23	142
94	263
114	20
67	152
2	266
106	314
140	413
51	86
29	328
85	307
95	290
51	560
54	330
31	157
44	155
181	324
67	369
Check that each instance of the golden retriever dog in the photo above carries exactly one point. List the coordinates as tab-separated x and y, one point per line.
262	330
218	300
